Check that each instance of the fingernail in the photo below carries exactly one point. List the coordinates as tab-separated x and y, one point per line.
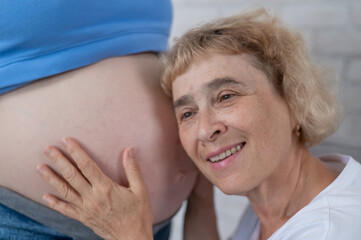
48	150
65	141
131	153
40	169
47	199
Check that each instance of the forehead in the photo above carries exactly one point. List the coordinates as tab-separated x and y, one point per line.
204	70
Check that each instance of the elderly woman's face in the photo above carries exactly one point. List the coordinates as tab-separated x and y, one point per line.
232	123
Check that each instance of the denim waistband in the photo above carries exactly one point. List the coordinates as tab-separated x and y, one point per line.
57	221
46	216
14	226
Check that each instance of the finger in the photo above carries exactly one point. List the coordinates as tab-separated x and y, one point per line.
86	165
64	190
133	173
62	207
69	172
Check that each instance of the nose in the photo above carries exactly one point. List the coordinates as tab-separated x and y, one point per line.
210	126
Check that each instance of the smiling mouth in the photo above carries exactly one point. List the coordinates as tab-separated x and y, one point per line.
227	153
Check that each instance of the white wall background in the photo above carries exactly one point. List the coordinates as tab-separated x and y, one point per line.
332	29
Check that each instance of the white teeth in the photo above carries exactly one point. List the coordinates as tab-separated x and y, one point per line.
227	153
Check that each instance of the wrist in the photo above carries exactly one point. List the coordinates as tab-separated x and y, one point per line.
141	234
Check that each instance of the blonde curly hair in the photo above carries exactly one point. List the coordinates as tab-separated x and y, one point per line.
277	51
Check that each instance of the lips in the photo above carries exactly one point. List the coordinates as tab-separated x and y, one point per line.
224	153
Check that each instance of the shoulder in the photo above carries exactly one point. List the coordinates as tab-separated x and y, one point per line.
344	202
335	213
323	220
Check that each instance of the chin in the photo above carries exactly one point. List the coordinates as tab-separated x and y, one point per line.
228	189
232	188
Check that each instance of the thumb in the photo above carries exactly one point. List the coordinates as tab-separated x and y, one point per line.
133	173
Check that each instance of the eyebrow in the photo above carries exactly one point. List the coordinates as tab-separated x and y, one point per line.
184	100
213	85
219	82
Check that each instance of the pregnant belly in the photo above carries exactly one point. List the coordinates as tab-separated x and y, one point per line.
106	107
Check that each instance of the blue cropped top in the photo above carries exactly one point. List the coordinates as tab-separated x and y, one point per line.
42	38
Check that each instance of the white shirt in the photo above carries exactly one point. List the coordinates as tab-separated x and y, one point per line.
334	214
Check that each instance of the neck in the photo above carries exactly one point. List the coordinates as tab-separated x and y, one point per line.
291	187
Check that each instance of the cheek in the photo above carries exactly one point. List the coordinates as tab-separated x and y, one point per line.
274	131
253	121
240	117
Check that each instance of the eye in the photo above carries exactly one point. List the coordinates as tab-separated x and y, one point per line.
186	115
225	97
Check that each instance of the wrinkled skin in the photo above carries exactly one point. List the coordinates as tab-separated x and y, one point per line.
112	211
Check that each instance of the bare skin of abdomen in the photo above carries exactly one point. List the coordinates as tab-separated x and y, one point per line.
106	107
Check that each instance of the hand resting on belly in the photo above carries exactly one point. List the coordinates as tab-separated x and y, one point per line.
106	106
